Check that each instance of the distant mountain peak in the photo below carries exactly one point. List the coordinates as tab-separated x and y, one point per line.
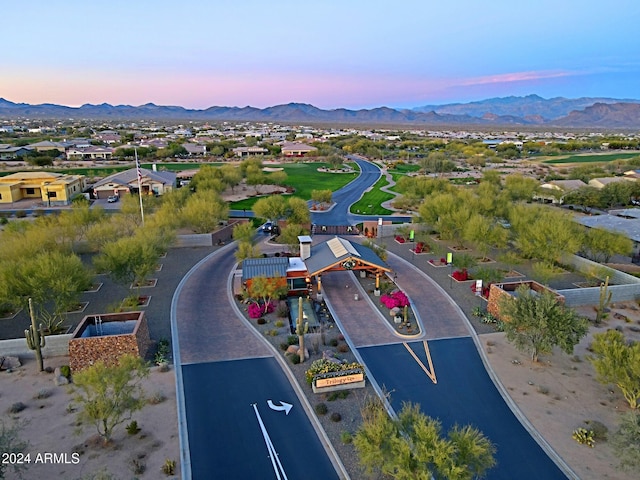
529	110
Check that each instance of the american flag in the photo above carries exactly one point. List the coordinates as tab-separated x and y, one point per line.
138	169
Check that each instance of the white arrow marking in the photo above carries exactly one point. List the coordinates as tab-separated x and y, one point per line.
283	406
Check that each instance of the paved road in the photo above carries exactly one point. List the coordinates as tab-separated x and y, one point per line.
349	194
464	393
223	368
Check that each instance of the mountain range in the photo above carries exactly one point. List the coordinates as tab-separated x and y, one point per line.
531	110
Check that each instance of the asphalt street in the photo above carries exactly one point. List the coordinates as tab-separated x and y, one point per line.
349	194
223	367
464	394
225	437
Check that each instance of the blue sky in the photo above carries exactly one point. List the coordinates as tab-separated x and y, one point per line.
352	54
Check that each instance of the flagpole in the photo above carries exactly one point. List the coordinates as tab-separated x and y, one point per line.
139	172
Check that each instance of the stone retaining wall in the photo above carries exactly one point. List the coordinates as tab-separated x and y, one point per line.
84	352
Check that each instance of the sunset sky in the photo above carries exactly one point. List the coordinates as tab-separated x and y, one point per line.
329	53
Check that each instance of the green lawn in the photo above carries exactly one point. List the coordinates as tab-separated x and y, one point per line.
304	177
404	168
592	158
370	202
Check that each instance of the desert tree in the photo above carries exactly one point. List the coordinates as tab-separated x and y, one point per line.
53	279
11	443
617	361
244	232
600	245
626	441
538	322
108	395
267	289
204	211
414	447
247	250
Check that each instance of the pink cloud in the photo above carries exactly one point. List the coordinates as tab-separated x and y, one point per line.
514	77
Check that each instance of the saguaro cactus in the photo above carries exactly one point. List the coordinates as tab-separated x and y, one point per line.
35	337
605	301
301	329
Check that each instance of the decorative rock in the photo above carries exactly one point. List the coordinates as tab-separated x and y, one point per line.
394	311
292	349
10	363
163	367
57	372
60	380
329	356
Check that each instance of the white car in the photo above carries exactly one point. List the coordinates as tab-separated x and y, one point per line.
112	199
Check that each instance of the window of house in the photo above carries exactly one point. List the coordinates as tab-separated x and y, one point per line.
53	194
31	191
297	284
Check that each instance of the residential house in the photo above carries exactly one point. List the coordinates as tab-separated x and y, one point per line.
294	149
557	190
9	152
600	183
48	145
152	183
249	151
195	149
53	188
90	153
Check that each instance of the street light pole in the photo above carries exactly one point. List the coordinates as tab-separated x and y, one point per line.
46	189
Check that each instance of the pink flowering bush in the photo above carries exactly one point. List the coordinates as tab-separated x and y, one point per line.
256	310
395	299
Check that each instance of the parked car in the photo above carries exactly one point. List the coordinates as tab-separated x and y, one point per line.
267	227
113	199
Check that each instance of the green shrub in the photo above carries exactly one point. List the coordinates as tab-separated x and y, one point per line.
282	310
340	394
17	407
65	371
333	342
321	409
138	467
279	323
295	358
336	417
132	428
583	437
42	394
599	429
284	346
169	467
162	351
292	339
346	437
156	398
261	321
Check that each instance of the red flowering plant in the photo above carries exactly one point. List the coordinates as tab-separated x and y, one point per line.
395	299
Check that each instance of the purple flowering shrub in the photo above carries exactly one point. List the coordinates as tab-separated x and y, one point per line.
256	310
395	299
